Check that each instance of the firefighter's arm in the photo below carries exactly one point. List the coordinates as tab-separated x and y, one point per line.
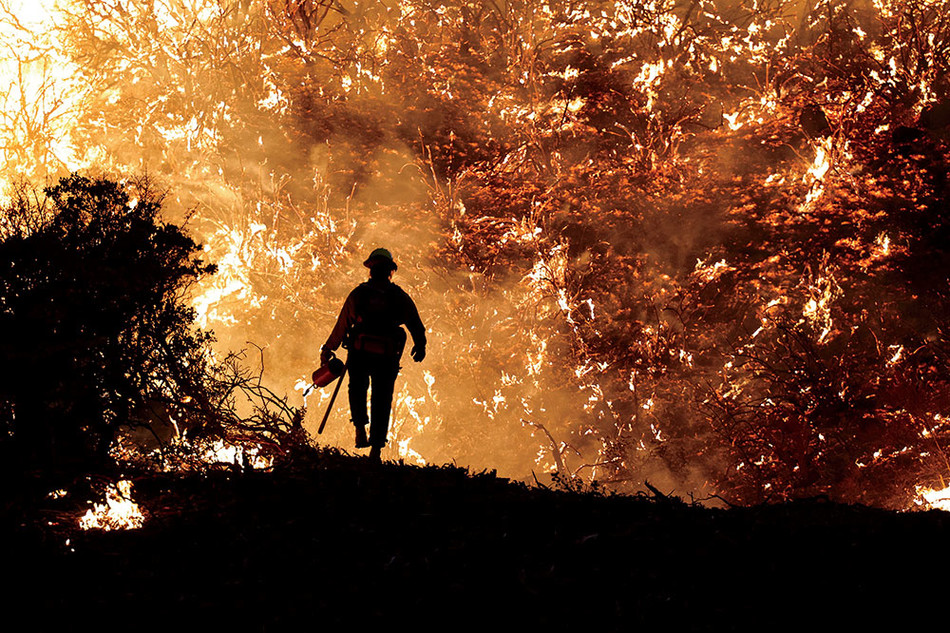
416	329
346	319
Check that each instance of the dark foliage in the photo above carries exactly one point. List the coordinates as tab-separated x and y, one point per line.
96	329
333	544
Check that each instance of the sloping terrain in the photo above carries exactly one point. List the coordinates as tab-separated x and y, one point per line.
334	543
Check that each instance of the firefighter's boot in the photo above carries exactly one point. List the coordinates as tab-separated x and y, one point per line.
361	440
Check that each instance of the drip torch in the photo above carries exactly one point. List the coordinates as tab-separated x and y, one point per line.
327	373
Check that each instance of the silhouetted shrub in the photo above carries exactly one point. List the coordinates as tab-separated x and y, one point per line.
95	324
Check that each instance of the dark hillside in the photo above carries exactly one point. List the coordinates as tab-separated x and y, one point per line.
334	543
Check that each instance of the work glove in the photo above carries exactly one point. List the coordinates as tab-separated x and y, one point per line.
418	352
325	356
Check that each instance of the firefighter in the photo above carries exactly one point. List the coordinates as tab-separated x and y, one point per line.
369	327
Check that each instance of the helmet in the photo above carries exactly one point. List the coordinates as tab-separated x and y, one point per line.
379	256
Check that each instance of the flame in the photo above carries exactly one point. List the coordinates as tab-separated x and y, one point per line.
119	512
822	162
932	498
896	352
711	272
223	452
182	454
882	246
283	230
42	95
822	291
815	174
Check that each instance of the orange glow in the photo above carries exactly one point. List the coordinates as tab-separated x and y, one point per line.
647	240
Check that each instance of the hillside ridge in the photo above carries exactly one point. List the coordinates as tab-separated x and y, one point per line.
334	541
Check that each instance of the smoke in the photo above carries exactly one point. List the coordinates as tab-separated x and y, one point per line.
290	185
581	198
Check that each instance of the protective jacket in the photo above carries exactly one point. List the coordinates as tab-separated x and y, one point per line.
372	314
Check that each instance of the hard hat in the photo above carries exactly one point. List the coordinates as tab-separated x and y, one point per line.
380	255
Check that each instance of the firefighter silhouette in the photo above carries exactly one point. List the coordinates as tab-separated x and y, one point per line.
370	329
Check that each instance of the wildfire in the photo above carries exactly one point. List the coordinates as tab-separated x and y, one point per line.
882	246
816	173
223	452
657	162
933	498
711	272
822	291
119	512
41	98
183	454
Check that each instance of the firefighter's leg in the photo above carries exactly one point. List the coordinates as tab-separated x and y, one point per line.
384	383
358	386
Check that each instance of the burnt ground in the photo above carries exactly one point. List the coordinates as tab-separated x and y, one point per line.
333	543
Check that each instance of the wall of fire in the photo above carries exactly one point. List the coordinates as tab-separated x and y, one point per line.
697	243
